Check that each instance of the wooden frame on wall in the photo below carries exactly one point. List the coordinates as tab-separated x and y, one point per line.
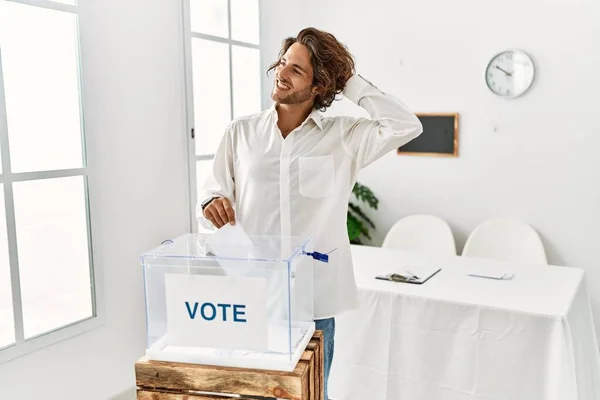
439	137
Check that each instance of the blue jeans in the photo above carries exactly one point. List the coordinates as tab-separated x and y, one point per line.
328	328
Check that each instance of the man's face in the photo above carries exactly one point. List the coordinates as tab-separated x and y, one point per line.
294	77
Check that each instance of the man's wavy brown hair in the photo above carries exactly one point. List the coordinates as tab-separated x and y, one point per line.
331	61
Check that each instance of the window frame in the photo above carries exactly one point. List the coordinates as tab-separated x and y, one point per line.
189	92
23	346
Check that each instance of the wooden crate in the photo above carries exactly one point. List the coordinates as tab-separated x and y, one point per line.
161	380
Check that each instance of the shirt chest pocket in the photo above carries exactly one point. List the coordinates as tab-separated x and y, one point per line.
316	176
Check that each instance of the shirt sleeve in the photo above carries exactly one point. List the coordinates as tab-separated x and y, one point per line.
220	181
391	125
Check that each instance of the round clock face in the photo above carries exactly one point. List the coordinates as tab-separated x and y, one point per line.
510	73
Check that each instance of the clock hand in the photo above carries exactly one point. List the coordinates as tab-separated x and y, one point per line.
506	72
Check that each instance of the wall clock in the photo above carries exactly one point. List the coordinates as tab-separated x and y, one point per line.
510	73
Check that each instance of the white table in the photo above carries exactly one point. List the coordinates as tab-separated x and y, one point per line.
457	337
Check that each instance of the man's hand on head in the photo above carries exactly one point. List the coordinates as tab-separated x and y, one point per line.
219	212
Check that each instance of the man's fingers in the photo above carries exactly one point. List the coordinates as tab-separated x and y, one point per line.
214	217
229	210
210	217
222	213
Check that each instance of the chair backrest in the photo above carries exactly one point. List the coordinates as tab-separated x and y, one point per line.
425	234
506	239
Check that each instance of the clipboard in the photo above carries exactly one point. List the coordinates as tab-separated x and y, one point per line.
408	277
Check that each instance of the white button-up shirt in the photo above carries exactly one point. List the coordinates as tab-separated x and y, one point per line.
300	186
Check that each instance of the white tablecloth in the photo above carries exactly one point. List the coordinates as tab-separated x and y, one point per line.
457	337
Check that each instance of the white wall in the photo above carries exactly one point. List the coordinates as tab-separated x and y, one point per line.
134	109
278	19
534	157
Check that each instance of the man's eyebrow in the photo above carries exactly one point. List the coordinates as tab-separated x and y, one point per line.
295	65
299	67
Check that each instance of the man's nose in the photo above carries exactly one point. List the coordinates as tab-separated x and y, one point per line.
284	73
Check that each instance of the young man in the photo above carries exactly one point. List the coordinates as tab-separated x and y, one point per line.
290	171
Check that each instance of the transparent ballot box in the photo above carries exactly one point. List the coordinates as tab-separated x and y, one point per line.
248	306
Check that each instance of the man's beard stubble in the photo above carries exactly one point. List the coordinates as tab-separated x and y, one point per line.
295	98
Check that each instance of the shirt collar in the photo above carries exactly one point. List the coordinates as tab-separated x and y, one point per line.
314	115
317	117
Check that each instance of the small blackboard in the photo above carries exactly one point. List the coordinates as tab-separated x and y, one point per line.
439	137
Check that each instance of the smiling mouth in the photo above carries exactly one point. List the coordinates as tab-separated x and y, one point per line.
282	86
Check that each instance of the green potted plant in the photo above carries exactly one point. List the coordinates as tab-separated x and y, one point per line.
359	225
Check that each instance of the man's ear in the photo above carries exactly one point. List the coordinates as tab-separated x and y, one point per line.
316	90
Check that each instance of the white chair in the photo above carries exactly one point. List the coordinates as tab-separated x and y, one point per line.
506	239
425	234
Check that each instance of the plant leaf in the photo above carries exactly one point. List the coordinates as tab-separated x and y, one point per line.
354	227
360	213
365	194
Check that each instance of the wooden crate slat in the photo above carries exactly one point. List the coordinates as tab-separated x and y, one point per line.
154	395
163	380
180	376
311	380
317	345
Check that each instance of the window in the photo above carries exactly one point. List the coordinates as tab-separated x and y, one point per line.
223	75
46	276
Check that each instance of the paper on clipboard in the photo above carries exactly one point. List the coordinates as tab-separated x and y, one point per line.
416	275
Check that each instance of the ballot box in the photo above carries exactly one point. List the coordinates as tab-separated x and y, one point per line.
246	304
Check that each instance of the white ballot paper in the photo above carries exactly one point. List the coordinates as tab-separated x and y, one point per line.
237	256
229	240
232	245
